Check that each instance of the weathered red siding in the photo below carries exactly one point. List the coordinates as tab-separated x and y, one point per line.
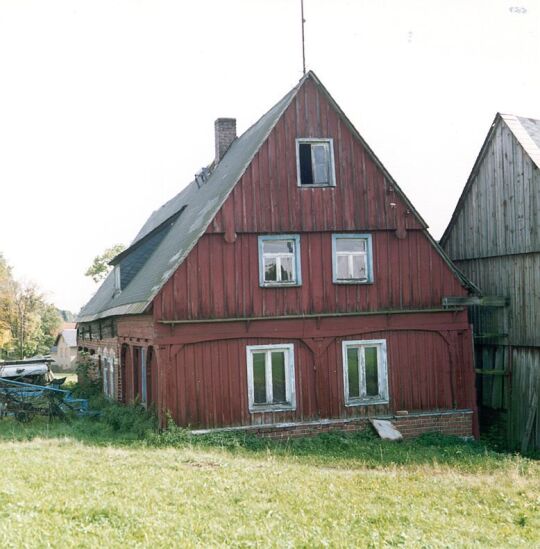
429	367
219	280
267	199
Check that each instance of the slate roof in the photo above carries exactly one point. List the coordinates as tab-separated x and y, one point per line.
190	212
527	132
201	201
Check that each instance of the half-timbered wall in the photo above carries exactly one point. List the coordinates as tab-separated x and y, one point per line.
207	379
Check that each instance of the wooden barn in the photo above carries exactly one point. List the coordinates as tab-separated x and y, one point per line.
290	288
494	238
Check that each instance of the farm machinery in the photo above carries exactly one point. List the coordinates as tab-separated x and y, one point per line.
27	389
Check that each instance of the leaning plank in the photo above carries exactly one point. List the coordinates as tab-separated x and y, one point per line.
530	421
386	430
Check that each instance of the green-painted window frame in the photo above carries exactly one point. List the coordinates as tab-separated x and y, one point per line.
290	392
368	253
297	264
313	141
382	372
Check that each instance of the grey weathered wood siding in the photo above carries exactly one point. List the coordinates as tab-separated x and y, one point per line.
494	239
516	277
500	212
525	384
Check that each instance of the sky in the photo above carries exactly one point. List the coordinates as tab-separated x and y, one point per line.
107	106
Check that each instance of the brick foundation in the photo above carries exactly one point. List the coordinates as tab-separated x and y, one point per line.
455	422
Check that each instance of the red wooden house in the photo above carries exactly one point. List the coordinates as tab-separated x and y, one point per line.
291	286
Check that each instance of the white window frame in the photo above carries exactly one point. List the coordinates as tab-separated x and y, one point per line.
331	167
290	393
108	371
382	372
368	254
296	263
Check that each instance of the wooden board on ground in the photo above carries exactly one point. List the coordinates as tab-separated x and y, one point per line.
386	430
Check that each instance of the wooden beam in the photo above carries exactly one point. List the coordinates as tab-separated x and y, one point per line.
491	372
484	301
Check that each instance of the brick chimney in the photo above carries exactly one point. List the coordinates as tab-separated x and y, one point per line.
225	134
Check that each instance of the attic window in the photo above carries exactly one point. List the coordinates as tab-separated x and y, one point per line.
315	162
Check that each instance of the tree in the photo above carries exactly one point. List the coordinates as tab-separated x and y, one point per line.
28	324
8	288
34	322
100	267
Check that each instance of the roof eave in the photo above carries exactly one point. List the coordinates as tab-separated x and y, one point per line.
129	309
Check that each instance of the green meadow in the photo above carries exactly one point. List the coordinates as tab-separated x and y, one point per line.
114	481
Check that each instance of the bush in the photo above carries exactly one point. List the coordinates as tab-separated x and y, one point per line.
128	419
89	380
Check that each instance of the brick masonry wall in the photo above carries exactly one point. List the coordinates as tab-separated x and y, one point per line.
95	348
458	423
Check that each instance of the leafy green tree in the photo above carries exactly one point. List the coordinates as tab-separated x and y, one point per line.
100	267
28	324
34	324
7	299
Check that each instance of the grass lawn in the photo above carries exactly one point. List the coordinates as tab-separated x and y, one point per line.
104	483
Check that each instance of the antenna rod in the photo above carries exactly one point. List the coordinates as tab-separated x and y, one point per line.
303	42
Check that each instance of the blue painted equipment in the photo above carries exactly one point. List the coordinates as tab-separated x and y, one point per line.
26	400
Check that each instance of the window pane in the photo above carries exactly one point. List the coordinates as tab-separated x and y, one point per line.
321	174
372	375
270	272
352	372
287	269
359	267
350	244
320	153
278	376
278	246
320	163
306	174
259	378
343	266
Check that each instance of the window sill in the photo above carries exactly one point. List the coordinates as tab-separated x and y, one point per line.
353	281
367	402
262	408
280	284
316	185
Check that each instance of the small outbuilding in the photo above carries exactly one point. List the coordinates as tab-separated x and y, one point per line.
64	352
